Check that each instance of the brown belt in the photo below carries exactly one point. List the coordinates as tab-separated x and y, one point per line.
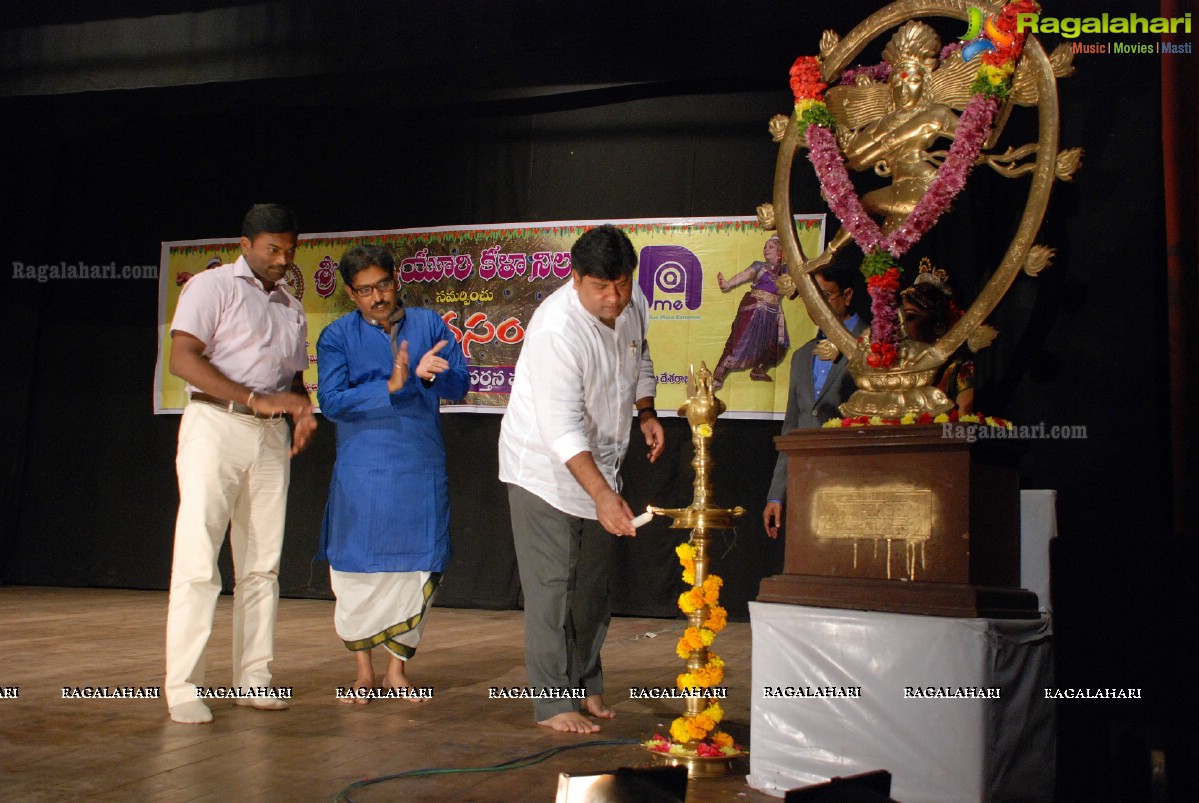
231	406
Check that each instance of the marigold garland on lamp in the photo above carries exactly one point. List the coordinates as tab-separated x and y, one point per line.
694	740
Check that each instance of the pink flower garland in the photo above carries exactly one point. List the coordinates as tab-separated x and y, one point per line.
972	131
843	199
884	310
878	72
838	190
842	196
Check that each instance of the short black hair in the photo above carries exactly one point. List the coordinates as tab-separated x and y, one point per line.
361	257
269	218
844	276
604	252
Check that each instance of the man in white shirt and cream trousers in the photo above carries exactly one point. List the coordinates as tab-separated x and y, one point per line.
583	368
239	340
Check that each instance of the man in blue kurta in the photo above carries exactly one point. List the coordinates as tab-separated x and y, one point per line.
386	529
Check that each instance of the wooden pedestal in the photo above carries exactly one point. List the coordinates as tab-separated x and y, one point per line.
906	519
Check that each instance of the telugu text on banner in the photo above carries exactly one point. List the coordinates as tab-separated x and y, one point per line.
486	281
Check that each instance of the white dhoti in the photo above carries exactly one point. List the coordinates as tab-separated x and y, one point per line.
385	609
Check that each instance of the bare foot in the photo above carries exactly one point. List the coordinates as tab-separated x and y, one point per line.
364	680
397	679
570	722
594	705
359	684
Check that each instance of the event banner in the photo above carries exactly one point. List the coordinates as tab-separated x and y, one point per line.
485	283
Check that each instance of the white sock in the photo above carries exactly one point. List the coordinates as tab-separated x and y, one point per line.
193	712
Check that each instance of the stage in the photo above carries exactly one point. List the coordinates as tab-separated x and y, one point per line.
53	748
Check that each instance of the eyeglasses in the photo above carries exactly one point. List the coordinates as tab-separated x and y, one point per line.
384	286
832	295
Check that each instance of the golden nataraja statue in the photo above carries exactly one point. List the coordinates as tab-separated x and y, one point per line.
896	119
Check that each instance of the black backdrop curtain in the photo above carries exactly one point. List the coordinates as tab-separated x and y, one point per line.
546	115
1180	180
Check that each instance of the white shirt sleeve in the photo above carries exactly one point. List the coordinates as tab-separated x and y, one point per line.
556	371
198	310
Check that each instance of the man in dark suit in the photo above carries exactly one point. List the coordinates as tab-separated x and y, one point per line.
820	382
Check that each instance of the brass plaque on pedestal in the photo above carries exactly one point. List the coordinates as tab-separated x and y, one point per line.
874	513
908	519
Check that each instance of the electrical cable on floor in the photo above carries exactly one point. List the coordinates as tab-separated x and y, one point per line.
512	764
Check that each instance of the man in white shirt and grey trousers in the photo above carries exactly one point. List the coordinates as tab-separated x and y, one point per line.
583	368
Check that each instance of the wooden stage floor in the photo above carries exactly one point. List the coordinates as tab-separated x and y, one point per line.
127	749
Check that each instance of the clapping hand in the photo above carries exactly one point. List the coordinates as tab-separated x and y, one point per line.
431	364
399	369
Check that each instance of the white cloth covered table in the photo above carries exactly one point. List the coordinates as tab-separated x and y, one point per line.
1038	526
937	749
